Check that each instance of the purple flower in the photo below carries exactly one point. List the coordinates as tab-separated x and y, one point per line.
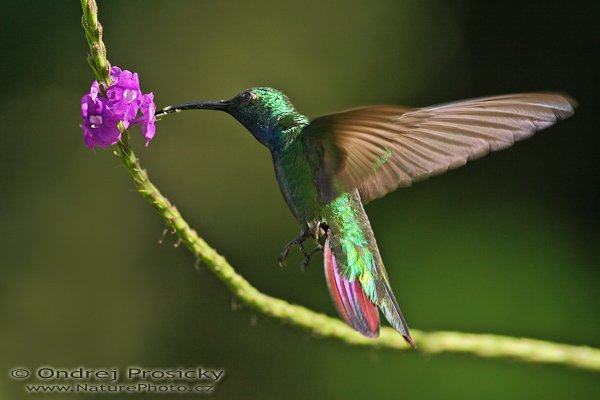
99	122
124	94
101	115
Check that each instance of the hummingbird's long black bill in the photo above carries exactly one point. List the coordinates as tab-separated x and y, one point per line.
203	105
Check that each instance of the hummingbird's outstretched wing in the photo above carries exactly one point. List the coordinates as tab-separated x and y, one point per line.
380	148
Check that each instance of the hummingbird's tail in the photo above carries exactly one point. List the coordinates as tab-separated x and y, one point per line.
350	300
355	307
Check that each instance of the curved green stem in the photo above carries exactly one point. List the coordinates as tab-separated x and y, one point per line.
481	345
93	33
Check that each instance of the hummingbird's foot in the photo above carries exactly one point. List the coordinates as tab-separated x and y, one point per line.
305	234
284	254
307	256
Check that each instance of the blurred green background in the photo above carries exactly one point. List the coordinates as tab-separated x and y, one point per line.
507	245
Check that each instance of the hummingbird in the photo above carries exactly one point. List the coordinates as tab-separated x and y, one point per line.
329	167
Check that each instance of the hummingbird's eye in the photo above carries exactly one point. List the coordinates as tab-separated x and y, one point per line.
246	96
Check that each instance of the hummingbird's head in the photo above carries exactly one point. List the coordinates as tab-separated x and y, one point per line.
266	112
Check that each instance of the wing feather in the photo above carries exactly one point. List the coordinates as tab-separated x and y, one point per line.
380	148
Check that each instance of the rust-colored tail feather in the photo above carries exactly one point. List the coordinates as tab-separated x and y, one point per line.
350	300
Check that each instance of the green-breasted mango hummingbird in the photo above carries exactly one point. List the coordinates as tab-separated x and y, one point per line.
328	168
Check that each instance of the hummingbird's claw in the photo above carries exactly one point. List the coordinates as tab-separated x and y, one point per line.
286	249
283	255
307	256
298	241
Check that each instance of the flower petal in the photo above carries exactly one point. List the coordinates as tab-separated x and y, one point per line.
148	108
